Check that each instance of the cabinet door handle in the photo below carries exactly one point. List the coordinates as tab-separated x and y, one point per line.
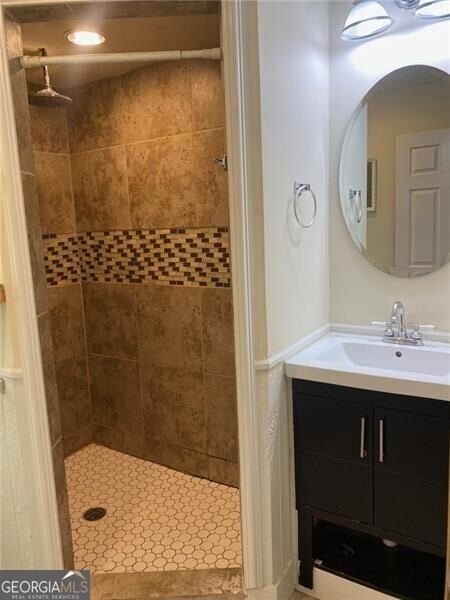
362	439
381	441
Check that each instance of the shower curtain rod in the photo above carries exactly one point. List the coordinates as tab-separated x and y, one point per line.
32	62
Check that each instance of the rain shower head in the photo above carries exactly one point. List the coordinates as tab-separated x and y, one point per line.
48	96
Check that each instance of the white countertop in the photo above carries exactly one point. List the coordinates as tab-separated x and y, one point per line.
366	362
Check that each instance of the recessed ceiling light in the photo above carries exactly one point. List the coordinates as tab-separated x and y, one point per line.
85	38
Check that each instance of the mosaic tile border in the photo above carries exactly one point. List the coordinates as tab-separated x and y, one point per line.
188	257
61	258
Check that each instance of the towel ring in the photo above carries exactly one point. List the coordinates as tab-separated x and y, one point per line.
299	189
356	202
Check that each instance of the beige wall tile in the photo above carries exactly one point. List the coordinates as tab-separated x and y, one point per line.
124	441
211	180
208	109
63	505
221	417
54	188
73	390
218	335
170	326
48	368
175	457
161	182
100	189
156	101
35	242
49	129
14	50
76	439
111	319
115	393
173	406
66	311
95	116
223	471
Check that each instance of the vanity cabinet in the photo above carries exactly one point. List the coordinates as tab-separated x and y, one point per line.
373	462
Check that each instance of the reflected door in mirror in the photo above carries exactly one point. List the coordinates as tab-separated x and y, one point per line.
422	202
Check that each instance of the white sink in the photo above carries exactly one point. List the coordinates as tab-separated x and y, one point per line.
423	359
369	363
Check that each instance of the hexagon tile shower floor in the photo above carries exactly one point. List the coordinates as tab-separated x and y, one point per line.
157	519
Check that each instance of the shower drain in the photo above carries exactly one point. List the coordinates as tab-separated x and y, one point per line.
94	514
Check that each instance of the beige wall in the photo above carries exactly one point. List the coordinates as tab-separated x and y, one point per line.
420	108
361	293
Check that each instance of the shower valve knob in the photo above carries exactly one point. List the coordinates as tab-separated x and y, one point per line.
222	162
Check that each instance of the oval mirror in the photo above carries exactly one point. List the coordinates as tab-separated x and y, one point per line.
394	174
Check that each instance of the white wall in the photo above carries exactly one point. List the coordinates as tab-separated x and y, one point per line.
290	266
361	293
293	63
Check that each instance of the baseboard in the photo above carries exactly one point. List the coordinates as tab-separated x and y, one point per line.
282	590
331	587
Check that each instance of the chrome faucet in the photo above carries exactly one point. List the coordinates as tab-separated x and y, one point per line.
398	318
401	336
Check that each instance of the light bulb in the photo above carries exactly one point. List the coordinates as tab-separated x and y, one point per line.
85	38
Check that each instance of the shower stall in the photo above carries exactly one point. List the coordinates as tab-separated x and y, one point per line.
134	238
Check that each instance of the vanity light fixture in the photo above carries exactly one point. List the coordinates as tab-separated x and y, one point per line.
85	38
433	9
366	19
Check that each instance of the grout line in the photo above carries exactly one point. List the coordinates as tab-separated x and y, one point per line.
132	360
74	211
51	152
88	372
205	401
161	138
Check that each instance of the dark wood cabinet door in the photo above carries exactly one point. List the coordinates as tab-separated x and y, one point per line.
411	507
411	474
335	428
412	444
340	487
333	456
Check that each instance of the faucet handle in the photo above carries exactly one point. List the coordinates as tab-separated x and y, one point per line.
415	333
388	329
427	327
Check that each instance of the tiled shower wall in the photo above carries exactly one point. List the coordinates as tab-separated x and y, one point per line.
54	187
146	234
